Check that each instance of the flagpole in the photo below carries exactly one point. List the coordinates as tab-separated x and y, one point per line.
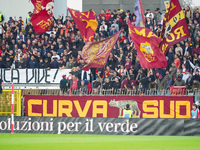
12	109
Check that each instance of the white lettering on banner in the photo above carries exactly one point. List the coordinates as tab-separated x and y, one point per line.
36	126
89	125
3	125
27	125
24	125
59	126
126	127
70	126
33	76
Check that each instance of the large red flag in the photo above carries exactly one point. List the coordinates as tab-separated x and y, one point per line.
95	54
175	27
86	23
42	17
147	45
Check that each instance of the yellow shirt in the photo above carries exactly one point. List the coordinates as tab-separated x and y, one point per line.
127	113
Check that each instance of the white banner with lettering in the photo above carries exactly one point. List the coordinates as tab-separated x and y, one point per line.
33	76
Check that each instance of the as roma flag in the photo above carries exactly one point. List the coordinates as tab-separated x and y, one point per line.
175	28
95	54
147	45
86	23
42	17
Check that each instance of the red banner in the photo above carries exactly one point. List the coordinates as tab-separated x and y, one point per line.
108	106
86	23
146	43
177	90
175	27
95	54
42	16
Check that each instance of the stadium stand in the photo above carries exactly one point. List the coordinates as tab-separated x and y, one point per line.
61	48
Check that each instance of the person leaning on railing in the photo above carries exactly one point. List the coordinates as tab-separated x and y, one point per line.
116	85
96	85
160	83
196	85
124	84
144	82
74	84
63	85
83	87
189	82
179	81
107	86
167	82
152	83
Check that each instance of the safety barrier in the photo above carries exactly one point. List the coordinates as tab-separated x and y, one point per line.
5	103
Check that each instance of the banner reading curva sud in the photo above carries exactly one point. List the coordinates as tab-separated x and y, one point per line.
108	106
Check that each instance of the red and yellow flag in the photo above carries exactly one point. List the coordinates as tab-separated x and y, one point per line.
42	17
147	45
95	54
175	27
86	23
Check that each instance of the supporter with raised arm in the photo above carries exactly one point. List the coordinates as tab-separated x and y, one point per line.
194	67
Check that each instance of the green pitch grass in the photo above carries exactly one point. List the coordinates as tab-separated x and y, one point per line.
96	142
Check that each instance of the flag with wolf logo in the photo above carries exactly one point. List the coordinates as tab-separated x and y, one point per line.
175	28
95	54
42	17
147	45
86	23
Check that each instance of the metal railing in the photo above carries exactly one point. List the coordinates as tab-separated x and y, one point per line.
103	92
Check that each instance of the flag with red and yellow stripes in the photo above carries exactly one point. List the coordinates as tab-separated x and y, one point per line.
86	23
42	17
95	54
175	28
147	46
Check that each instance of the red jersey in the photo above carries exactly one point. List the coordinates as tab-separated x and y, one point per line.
74	85
24	50
108	16
124	82
177	62
101	15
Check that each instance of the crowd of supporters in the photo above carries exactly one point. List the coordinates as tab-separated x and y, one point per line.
61	48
